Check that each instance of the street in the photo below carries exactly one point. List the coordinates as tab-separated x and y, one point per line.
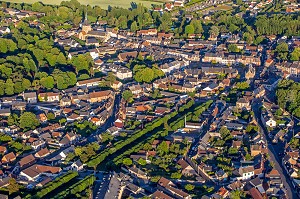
274	150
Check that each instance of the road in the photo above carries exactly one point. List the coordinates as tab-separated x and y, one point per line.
274	150
109	122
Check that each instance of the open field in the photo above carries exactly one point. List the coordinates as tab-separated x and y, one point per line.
102	3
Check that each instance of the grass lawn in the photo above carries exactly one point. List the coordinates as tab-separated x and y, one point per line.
102	3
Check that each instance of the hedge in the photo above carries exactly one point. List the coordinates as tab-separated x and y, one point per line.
139	133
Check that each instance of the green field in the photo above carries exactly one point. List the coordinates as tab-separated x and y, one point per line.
102	3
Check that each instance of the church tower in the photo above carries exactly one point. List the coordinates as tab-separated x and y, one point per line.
86	26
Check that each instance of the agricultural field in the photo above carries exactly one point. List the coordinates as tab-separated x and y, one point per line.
102	3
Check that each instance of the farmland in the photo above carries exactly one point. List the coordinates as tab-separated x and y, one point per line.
102	3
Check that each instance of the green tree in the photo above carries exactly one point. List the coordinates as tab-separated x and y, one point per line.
197	26
282	50
47	82
242	85
127	161
176	175
28	120
214	31
189	187
142	162
127	95
295	55
189	29
233	48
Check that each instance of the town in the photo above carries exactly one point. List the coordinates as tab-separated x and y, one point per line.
186	99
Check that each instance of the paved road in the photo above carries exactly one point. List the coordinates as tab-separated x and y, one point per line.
274	151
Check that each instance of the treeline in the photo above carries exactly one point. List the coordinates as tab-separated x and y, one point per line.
139	133
278	24
76	188
135	18
51	186
175	125
288	96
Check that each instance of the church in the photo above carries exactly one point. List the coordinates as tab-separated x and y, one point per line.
88	32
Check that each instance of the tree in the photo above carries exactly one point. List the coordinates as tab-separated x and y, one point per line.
189	29
282	50
106	137
237	194
127	95
47	82
61	59
176	175
50	116
163	148
242	85
295	55
142	162
197	26
28	120
214	31
13	186
9	87
127	161
189	187
233	48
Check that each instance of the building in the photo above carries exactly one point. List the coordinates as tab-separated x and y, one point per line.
100	95
49	97
89	83
186	169
30	97
33	172
246	172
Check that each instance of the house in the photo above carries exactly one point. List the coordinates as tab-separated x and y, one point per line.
186	169
236	144
42	117
123	73
89	83
246	172
96	121
99	96
274	179
3	149
149	32
48	97
255	194
123	57
77	166
193	125
38	144
4	30
268	119
8	158
170	188
137	172
243	103
5	112
33	172
30	97
221	193
255	150
65	101
116	85
160	195
42	153
27	161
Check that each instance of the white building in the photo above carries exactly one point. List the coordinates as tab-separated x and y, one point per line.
246	172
